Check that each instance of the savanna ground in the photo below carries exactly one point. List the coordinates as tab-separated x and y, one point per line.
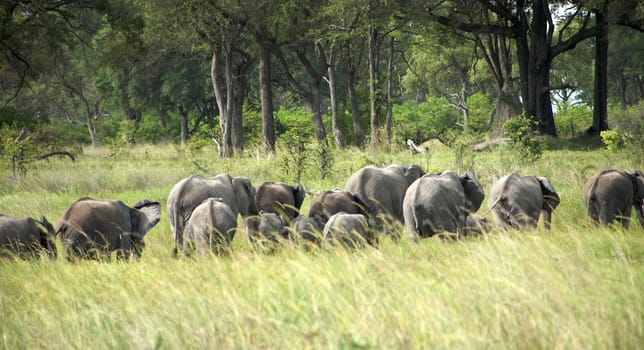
578	286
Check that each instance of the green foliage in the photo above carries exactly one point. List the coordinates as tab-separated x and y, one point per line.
520	131
573	120
479	106
611	139
324	158
295	152
630	128
18	154
427	120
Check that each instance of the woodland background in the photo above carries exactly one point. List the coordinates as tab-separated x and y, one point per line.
343	73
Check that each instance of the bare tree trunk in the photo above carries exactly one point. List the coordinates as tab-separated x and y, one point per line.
335	127
183	117
221	103
390	73
374	94
266	94
600	108
358	137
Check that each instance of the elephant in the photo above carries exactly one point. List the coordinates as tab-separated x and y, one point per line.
237	192
331	202
280	198
266	228
307	228
475	224
441	203
349	230
26	237
211	227
91	228
609	195
384	189
517	201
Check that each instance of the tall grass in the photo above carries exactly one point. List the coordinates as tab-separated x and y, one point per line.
578	286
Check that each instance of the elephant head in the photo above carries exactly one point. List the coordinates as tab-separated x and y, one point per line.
237	192
518	201
439	203
211	227
637	179
280	198
94	228
26	237
384	189
610	194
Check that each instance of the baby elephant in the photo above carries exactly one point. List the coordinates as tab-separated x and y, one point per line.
307	229
92	228
267	228
349	230
610	194
211	227
25	237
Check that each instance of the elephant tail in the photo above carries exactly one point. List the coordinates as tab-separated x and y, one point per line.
177	224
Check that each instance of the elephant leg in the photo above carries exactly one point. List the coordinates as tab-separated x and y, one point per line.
606	213
547	217
625	218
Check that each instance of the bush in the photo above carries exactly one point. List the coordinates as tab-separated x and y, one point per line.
611	139
572	120
428	120
520	131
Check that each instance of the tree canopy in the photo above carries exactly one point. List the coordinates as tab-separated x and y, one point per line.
213	67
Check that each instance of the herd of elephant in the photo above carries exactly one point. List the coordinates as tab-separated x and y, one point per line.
203	212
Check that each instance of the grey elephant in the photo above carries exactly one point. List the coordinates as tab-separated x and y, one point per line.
307	229
384	189
609	195
475	224
237	192
280	198
210	228
266	227
349	230
26	237
441	203
518	201
331	202
92	228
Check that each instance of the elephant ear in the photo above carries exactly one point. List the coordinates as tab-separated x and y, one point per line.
298	196
47	238
144	216
474	194
413	173
637	179
550	197
245	196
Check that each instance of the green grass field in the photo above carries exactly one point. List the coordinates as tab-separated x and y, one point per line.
577	286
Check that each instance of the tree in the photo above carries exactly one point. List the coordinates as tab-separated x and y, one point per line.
532	26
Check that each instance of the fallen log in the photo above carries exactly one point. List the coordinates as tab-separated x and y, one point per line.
55	153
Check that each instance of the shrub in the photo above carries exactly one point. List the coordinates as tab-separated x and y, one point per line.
520	131
572	120
611	139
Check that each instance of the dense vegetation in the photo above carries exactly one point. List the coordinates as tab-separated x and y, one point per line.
353	72
577	286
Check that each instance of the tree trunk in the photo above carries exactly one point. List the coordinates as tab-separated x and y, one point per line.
358	137
390	73
600	108
315	108
217	84
335	127
183	118
374	94
266	95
